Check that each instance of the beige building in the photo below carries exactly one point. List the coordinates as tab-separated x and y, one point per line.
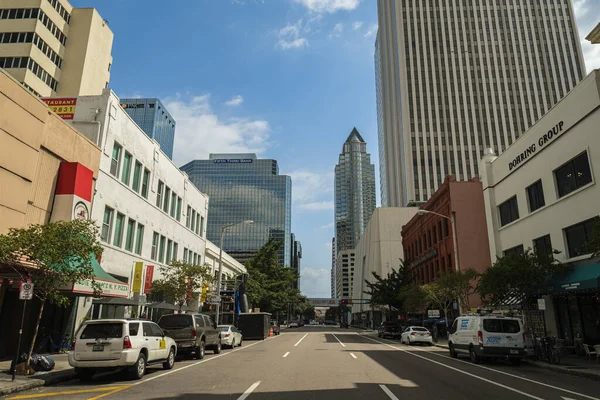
594	35
55	49
33	143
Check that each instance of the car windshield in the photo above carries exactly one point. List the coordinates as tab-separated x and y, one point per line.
176	322
108	330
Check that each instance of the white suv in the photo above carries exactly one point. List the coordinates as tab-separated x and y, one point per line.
120	343
487	336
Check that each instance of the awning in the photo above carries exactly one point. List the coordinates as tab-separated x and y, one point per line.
115	301
110	286
581	277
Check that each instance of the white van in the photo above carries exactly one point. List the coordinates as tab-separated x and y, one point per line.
487	336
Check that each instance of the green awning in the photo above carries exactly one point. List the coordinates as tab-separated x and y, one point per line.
110	286
581	277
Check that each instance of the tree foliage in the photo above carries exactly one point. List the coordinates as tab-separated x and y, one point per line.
414	299
523	275
180	280
270	286
439	296
60	254
388	290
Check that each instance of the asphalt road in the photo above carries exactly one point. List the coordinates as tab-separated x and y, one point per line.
329	363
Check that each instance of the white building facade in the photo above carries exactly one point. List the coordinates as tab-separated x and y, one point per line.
147	209
379	250
541	193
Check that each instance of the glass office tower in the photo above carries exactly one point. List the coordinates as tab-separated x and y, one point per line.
154	119
241	187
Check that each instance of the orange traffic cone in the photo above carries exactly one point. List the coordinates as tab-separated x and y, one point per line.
270	332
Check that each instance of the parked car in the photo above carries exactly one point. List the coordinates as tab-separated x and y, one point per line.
276	328
193	333
389	328
416	334
487	336
110	344
230	336
293	325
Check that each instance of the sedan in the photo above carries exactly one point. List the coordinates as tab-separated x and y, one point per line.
293	325
416	334
230	336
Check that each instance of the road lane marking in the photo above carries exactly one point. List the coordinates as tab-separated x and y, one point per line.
459	370
338	340
68	392
286	354
388	392
249	390
508	374
301	339
352	354
109	393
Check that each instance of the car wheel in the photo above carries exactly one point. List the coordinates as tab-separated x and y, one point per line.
453	353
217	348
200	351
137	370
170	360
85	374
233	343
240	345
475	359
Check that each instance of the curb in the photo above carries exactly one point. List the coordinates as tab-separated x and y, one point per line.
39	381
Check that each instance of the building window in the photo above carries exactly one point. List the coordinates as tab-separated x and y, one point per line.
166	200
175	249
119	226
129	237
125	176
139	239
137	174
145	181
514	250
509	211
573	175
195	259
161	249
169	249
188	216
185	254
201	225
107	224
173	210
115	160
159	194
179	209
579	235
535	196
542	245
197	222
193	227
154	246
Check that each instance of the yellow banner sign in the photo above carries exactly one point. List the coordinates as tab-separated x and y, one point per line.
137	277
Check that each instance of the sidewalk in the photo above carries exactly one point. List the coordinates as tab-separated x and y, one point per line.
570	364
61	372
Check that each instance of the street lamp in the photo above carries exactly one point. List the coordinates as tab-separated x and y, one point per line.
223	230
454	240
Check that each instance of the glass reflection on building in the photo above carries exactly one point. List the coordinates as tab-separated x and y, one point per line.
241	187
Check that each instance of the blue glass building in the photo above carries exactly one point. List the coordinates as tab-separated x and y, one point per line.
241	187
154	119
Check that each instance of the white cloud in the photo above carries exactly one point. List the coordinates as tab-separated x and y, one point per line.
316	282
329	6
580	7
312	191
235	101
586	21
200	131
372	30
317	206
290	36
328	226
357	25
337	31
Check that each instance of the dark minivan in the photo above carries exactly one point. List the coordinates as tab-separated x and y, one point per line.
193	333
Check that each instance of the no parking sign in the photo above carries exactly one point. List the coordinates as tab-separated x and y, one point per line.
26	290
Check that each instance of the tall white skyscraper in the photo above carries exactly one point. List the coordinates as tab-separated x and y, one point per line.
454	77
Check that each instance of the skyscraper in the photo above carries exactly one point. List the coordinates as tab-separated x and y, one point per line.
354	204
54	49
456	77
154	119
241	187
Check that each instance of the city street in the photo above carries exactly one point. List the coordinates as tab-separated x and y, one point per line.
317	362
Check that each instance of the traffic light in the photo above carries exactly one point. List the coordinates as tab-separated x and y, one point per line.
344	301
301	299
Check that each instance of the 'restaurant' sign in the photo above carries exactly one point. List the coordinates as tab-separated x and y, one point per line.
64	107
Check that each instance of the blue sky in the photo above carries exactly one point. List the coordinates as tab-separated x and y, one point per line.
287	79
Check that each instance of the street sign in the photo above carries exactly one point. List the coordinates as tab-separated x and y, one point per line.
215	300
541	304
26	291
433	313
363	316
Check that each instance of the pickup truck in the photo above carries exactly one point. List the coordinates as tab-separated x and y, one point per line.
389	328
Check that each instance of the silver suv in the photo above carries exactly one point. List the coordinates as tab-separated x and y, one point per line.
193	333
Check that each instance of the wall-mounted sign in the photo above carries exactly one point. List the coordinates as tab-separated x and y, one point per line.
148	280
140	105
233	161
538	144
64	107
137	277
428	255
80	211
107	288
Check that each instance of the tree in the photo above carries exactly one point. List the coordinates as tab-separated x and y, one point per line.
387	290
414	299
439	295
460	286
270	285
60	253
306	310
180	280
